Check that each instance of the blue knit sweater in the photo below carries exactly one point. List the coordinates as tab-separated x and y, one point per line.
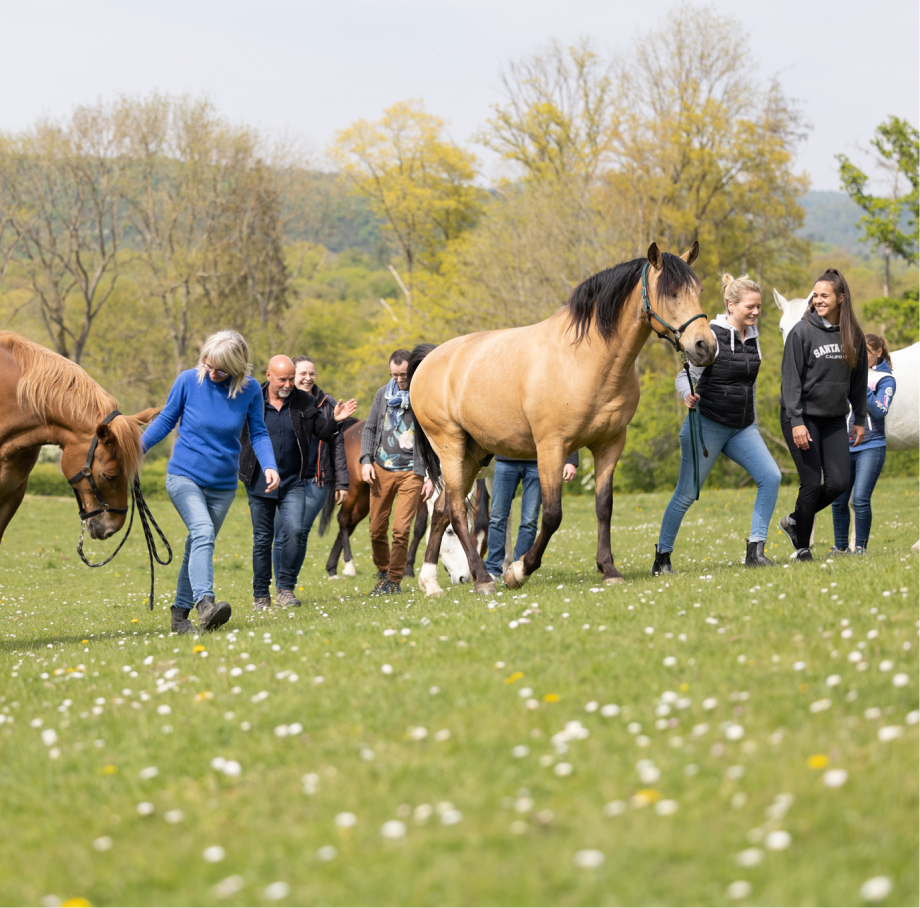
207	449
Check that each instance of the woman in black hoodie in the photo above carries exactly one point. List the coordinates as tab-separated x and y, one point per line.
825	370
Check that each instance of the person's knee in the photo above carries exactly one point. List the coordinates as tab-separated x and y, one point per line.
201	533
770	478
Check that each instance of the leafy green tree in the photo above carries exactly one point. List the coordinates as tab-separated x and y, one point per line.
897	318
896	143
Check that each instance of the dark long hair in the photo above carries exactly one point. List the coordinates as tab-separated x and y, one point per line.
851	335
877	342
600	299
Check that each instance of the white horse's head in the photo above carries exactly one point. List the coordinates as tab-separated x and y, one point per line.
454	558
792	310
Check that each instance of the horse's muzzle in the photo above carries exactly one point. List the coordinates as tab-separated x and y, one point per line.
100	528
703	351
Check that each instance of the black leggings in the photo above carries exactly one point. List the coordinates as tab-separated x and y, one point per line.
828	451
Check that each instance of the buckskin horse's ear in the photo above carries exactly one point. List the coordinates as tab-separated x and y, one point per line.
654	256
690	256
145	417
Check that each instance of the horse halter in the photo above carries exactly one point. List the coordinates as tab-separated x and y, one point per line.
649	315
87	473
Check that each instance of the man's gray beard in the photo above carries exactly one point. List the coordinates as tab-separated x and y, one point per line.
284	392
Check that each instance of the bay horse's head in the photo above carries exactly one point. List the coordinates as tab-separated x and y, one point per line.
672	303
101	463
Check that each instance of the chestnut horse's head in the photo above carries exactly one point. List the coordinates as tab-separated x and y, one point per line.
101	463
674	298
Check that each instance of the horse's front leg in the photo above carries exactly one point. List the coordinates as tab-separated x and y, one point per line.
551	463
418	533
605	461
428	576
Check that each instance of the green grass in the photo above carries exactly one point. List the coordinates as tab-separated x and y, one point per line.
80	653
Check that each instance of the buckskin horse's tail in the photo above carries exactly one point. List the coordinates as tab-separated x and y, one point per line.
423	447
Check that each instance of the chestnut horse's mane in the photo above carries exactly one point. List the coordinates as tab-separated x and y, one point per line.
600	299
54	388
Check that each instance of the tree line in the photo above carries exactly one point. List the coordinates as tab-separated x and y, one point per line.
136	227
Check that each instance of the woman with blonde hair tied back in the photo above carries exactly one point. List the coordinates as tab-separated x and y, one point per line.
725	398
213	401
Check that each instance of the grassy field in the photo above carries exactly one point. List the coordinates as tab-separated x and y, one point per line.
719	736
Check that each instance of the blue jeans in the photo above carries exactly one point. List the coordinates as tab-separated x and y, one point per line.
865	467
263	512
507	476
747	449
314	499
203	512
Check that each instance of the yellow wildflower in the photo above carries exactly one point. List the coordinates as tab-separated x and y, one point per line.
511	679
551	698
817	761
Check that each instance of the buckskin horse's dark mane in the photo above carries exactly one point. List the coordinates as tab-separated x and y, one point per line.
599	300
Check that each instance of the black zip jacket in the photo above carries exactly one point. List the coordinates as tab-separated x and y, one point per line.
331	463
726	388
816	378
307	421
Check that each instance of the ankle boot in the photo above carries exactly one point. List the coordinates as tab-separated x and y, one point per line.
178	621
212	614
755	556
662	563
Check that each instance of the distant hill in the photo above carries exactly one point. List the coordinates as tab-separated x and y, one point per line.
830	217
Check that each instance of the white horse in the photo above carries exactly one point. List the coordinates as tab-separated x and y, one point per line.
902	424
451	554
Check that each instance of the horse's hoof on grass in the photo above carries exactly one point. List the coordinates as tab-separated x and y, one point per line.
515	576
348	569
485	589
332	576
610	581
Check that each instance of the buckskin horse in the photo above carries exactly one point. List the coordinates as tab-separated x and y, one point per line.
486	393
45	399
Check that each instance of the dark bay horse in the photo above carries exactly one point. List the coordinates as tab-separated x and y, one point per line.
487	393
46	399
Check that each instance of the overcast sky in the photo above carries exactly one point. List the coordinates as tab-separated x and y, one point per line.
312	68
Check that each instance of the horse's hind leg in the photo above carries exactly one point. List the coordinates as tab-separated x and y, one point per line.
605	462
360	510
551	462
418	534
458	482
428	576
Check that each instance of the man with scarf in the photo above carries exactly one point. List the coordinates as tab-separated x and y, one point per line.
393	473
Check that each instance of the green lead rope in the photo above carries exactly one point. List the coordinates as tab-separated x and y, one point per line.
696	437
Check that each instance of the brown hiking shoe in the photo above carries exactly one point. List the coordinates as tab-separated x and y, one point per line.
260	603
179	623
211	614
381	581
286	599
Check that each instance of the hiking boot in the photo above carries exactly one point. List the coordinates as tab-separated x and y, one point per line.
838	553
261	603
787	525
755	556
286	599
391	589
212	614
662	563
379	584
802	555
179	623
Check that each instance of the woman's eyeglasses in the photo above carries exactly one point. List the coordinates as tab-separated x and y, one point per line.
217	373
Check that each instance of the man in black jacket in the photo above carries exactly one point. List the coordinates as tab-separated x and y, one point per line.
292	419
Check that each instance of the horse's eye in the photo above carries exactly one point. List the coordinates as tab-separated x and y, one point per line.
106	478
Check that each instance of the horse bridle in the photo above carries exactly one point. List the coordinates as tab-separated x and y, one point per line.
87	474
137	498
650	314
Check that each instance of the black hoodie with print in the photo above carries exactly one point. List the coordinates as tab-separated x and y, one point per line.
816	377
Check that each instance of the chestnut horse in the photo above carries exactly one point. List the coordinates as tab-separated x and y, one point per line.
46	399
546	390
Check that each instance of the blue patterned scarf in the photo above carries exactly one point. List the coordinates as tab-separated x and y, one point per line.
397	401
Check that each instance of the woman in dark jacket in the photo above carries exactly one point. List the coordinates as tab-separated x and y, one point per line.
726	398
327	466
825	371
867	460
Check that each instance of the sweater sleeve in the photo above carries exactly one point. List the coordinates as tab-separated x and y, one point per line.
793	365
369	434
572	459
340	462
681	382
168	418
859	380
258	434
879	400
325	428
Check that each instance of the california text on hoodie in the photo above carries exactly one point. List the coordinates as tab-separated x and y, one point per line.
816	378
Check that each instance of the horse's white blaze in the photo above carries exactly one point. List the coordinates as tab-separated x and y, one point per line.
428	580
348	569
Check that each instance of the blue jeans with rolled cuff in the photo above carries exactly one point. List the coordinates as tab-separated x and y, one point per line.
743	446
865	468
289	508
314	499
508	474
203	512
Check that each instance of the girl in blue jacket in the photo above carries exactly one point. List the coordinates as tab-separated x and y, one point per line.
867	460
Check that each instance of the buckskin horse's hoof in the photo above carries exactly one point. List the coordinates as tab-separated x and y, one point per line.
515	576
485	589
610	581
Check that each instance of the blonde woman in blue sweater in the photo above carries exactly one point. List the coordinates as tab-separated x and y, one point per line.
213	402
